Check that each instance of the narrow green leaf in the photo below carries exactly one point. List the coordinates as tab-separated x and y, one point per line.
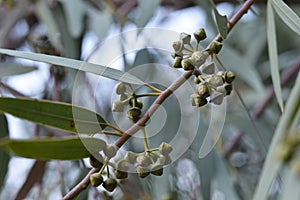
76	64
273	55
272	166
74	11
145	11
46	16
63	116
290	185
221	21
4	156
10	69
288	16
68	148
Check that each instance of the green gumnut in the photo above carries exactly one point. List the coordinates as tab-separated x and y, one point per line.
177	62
208	68
110	184
110	150
123	165
130	157
228	88
121	174
134	114
165	160
229	76
202	90
120	88
157	169
215	80
143	160
178	46
96	179
187	65
198	58
215	47
200	34
94	162
142	171
185	38
165	148
118	106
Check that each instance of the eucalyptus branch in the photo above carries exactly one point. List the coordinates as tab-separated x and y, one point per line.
159	100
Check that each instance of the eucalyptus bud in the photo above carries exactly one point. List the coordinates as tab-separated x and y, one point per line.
94	162
200	34
157	169
222	90
110	150
185	38
120	88
187	65
96	179
216	97
202	90
134	114
165	160
197	80
142	171
198	58
229	76
165	148
200	101
121	174
130	157
123	165
178	46
208	68
215	47
177	62
143	160
110	184
228	88
215	80
118	106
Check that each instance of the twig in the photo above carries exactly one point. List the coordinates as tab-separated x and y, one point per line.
160	99
286	75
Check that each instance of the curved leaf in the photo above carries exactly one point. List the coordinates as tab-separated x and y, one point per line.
10	69
287	15
104	17
4	156
63	116
68	148
221	21
273	55
76	64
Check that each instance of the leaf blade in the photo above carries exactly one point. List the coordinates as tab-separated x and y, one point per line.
11	69
59	115
145	11
77	65
288	16
273	55
68	148
5	157
221	21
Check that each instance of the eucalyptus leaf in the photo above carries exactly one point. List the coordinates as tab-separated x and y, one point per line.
290	186
11	69
221	21
67	148
272	166
60	115
76	64
145	11
47	17
4	156
74	11
273	55
288	16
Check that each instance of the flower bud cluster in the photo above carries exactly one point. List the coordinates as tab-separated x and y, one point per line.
212	86
149	162
135	105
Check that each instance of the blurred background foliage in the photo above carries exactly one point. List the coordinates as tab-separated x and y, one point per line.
76	28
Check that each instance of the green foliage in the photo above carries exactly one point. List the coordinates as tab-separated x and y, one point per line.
68	148
64	116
